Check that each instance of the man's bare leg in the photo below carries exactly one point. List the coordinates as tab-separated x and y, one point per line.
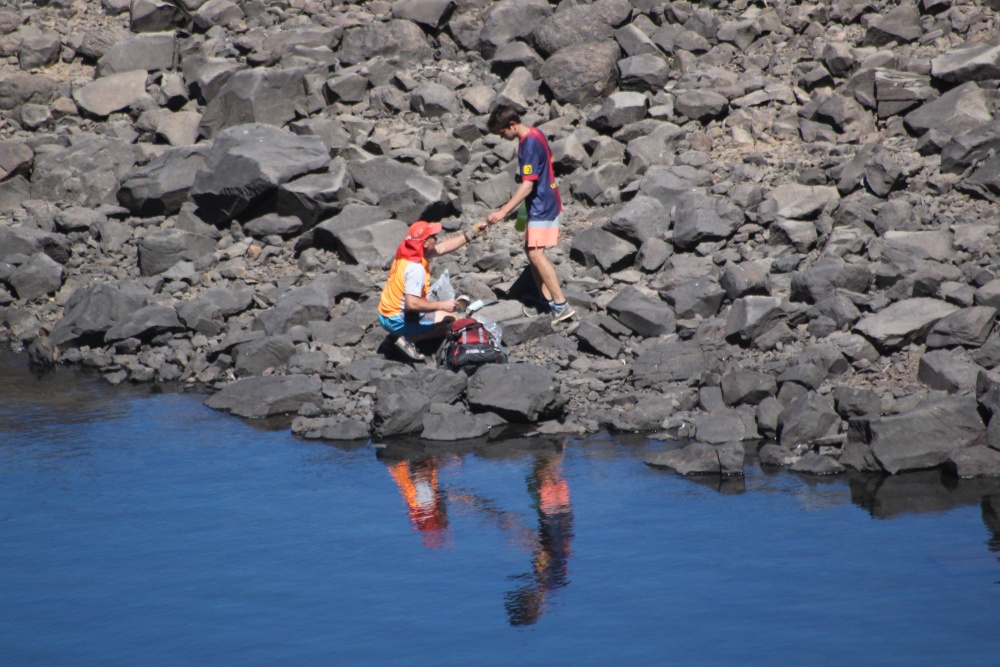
545	275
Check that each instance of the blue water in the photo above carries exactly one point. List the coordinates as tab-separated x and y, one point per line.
141	528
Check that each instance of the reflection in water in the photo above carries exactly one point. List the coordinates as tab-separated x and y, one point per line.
550	556
549	544
418	482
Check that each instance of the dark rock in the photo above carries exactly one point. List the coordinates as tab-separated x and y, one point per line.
826	278
298	306
699	218
206	312
747	387
91	311
852	402
247	163
958	110
977	61
817	464
162	249
660	362
405	190
452	427
751	316
162	186
111	93
144	324
968	148
256	356
593	337
969	327
259	397
396	38
944	370
149	52
507	21
976	461
39	277
806	420
776	455
903	322
582	73
87	173
516	392
701	459
315	196
720	426
598	247
644	315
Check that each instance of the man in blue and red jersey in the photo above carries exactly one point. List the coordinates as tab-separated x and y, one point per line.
541	195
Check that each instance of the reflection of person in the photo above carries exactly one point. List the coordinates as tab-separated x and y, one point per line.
403	309
540	194
418	482
550	557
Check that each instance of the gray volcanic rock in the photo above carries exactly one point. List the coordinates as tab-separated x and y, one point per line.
297	306
20	89
751	316
597	247
701	105
405	190
947	370
41	276
259	397
516	392
582	73
968	148
260	95
162	249
111	93
92	311
639	220
978	61
968	327
817	464
149	52
664	362
644	315
924	437
903	322
206	76
247	163
162	186
396	38
453	427
256	356
901	24
806	420
508	20
579	24
747	387
145	323
15	157
701	459
645	72
314	197
432	100
699	218
402	402
431	13
206	312
977	461
828	276
87	173
958	110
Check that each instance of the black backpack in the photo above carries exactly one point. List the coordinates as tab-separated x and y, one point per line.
468	345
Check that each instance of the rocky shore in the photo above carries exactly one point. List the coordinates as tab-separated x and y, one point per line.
779	231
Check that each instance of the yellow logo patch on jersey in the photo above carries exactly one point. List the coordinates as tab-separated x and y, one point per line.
527	170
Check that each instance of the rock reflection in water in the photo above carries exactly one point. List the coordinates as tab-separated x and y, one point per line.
417	468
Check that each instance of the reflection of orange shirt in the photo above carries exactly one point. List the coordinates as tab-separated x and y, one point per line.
420	491
553	494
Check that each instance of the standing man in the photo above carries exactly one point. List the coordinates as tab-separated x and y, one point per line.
404	310
541	195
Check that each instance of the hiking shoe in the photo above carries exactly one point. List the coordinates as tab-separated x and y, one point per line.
409	349
563	314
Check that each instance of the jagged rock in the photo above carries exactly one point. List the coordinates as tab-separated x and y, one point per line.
452	427
17	90
924	437
828	276
619	110
255	96
969	327
645	73
582	73
314	197
699	218
179	129
516	392
87	173
958	110
721	426
806	420
639	220
945	370
595	246
817	464
162	186
854	402
698	298
297	306
747	387
593	337
162	249
206	76
661	362
247	163
506	21
111	93
745	279
91	311
41	276
150	52
206	312
259	397
330	428
978	61
144	324
968	148
903	322
701	459
984	181
27	241
153	15
256	356
645	316
901	24
216	13
431	13
701	105
752	316
401	403
579	24
15	157
405	190
792	200
976	461
667	183
396	38
39	48
432	100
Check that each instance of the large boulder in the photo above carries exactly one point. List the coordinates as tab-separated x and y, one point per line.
646	316
401	403
163	248
397	38
582	73
91	311
111	93
699	218
663	362
977	61
266	96
516	392
162	186
87	173
701	459
903	322
506	21
405	190
145	323
149	52
258	397
37	278
247	163
579	24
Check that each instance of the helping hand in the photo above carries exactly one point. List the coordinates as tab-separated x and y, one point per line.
494	217
447	306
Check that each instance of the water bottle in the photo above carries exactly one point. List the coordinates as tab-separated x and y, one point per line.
522	218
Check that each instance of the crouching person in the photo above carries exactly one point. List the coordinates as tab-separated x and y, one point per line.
404	310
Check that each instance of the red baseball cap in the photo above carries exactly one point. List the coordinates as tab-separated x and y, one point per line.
422	230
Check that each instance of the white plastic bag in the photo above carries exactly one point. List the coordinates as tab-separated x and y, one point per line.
441	289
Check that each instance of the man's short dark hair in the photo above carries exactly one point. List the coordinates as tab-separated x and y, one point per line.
501	118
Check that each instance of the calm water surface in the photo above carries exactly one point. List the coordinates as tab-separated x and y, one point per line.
139	528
